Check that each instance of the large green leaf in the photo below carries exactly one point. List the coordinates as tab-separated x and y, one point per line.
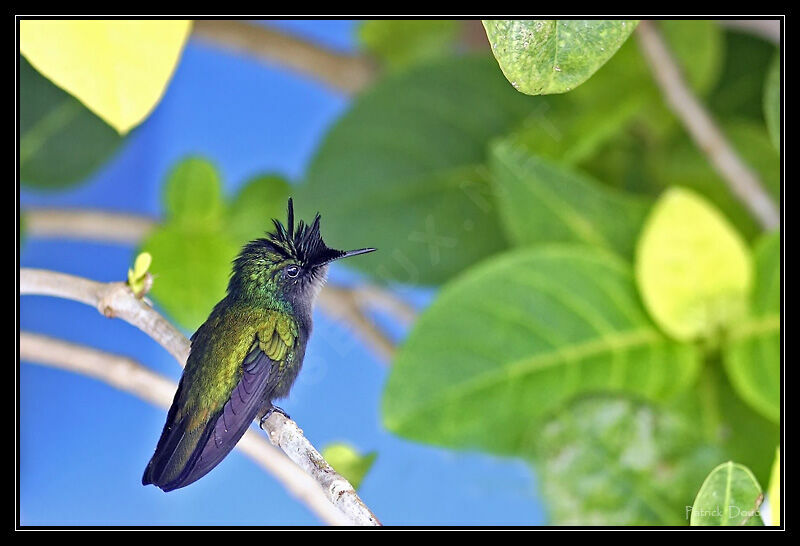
541	201
730	495
545	56
609	460
692	268
60	141
518	335
772	101
400	43
404	171
569	130
752	353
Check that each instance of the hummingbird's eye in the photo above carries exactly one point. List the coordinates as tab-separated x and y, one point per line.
292	271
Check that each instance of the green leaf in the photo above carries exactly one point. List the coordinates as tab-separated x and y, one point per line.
190	270
192	195
606	460
401	43
774	490
692	268
752	352
772	101
348	462
571	131
60	141
739	91
518	335
544	56
404	171
261	199
540	201
117	68
730	495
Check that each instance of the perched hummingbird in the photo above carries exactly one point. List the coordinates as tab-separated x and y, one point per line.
246	354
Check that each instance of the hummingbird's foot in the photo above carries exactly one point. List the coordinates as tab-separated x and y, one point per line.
270	411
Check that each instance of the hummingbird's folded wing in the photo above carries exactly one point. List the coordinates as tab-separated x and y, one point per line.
236	415
185	453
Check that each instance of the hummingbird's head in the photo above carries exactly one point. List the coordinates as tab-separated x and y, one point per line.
289	265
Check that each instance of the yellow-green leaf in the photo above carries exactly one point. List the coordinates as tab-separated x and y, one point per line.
693	269
118	69
137	274
348	462
774	490
141	264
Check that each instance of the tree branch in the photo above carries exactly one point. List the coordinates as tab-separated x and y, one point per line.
744	184
128	375
347	304
94	225
117	300
114	300
348	73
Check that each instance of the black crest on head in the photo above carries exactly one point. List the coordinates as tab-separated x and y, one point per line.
303	242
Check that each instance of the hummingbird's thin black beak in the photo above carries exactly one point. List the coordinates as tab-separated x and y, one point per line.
333	255
348	253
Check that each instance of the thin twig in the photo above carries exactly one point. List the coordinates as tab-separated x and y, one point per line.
128	375
702	128
342	304
769	29
369	295
345	303
348	73
117	300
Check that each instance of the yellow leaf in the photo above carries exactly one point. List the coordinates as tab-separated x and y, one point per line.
118	69
142	264
136	276
774	491
693	269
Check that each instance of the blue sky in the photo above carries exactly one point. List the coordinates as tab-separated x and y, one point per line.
84	445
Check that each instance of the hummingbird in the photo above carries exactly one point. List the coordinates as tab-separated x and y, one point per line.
247	353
